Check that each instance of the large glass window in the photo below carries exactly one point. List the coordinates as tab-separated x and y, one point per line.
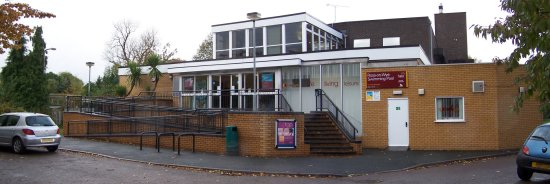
351	91
259	42
238	44
309	41
310	82
291	86
274	39
293	34
331	82
449	109
222	45
201	86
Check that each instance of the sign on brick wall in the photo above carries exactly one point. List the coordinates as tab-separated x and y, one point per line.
391	79
285	133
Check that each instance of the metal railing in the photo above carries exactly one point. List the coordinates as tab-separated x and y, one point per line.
119	107
323	102
213	122
234	100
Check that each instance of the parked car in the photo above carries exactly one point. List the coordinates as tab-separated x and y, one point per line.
535	153
23	129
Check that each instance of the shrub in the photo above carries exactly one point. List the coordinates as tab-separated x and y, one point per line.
8	107
120	90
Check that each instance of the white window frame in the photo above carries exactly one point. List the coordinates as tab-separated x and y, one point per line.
450	120
361	43
391	41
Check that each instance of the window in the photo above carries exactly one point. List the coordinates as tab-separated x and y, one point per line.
12	120
449	109
293	37
358	43
238	44
39	121
274	39
259	42
222	45
4	120
391	41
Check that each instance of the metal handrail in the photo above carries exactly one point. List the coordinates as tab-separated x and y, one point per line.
341	119
173	140
150	132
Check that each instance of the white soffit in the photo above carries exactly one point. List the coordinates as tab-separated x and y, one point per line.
374	54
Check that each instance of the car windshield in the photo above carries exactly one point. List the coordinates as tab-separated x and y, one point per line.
39	121
542	132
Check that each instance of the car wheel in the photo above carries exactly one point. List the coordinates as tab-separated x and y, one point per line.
18	146
524	174
52	149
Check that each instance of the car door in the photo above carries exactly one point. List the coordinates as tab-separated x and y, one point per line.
4	130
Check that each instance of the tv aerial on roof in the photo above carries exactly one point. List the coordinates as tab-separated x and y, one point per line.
336	6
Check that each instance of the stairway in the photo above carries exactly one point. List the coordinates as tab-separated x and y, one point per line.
324	137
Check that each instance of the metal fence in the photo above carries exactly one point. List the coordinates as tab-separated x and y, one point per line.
234	100
323	102
211	122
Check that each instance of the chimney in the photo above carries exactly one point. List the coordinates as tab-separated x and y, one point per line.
440	7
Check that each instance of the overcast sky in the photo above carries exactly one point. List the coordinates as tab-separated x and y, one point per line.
82	28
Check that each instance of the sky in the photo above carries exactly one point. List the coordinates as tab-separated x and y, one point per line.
82	28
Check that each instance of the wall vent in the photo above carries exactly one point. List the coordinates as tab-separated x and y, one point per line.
478	86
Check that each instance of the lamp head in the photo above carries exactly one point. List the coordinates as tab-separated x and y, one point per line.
253	15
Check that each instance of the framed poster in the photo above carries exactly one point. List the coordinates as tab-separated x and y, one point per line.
285	134
373	95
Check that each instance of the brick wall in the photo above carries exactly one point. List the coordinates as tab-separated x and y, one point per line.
481	130
164	84
514	127
256	134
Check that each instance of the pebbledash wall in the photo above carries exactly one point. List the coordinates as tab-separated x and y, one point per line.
489	123
256	134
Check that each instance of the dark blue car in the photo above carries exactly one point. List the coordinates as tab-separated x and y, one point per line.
535	153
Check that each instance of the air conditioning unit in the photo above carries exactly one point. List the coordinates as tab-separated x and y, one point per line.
478	86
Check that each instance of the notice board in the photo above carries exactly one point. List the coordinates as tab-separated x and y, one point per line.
285	132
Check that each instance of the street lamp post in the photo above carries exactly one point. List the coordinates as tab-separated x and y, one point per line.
254	16
44	62
90	64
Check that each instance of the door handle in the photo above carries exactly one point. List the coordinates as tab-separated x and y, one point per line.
406	124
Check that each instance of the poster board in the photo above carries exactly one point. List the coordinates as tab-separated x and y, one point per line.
285	134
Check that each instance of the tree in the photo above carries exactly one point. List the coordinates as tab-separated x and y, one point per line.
125	47
134	75
11	31
153	61
65	83
528	27
205	49
24	80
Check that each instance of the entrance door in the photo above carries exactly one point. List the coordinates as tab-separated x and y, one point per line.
398	123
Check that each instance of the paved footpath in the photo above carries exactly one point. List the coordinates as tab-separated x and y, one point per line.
371	161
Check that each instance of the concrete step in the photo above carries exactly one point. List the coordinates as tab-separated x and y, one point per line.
321	128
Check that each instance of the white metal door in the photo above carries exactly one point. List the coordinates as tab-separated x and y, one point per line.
398	122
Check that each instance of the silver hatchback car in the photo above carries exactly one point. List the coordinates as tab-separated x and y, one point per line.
23	129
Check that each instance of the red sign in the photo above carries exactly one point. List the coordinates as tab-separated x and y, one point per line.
393	79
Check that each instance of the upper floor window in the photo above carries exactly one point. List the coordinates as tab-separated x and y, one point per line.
238	44
274	39
390	41
222	45
293	37
358	43
259	41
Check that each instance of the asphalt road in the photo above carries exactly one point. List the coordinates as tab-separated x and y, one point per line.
39	166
